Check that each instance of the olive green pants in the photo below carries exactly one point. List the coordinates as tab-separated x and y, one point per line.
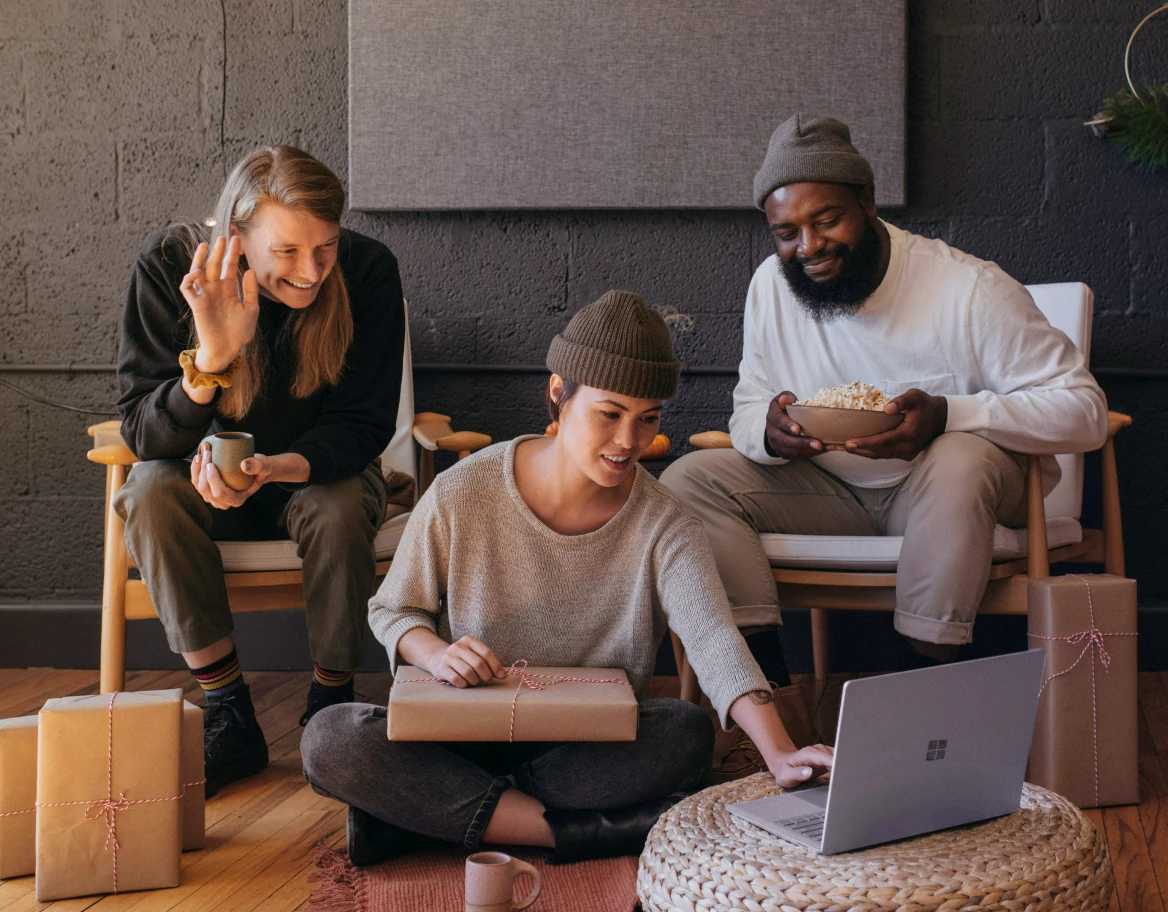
946	509
171	533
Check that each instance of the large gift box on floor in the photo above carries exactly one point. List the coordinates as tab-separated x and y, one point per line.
1085	738
18	762
194	806
531	704
109	796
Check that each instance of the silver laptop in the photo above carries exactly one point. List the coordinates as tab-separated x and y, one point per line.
916	751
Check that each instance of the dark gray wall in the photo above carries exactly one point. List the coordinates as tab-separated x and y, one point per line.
126	115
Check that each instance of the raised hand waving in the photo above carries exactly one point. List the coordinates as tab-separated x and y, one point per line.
224	320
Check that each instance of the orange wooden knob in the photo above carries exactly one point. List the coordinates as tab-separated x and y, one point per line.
658	449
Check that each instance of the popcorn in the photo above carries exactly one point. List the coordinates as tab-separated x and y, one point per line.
855	395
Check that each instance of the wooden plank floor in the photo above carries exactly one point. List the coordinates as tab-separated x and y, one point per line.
261	832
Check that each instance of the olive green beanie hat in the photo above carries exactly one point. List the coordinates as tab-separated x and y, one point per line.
618	344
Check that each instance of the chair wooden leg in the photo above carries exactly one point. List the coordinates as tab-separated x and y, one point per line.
113	590
425	470
1112	527
690	692
819	645
1037	556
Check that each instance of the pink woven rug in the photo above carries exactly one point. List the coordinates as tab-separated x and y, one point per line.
433	882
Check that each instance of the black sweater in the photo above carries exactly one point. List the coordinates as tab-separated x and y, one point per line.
339	430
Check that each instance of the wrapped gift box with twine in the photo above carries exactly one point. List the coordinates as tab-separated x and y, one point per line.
1085	737
530	704
109	796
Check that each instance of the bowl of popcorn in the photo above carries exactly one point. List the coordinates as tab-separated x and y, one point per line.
838	414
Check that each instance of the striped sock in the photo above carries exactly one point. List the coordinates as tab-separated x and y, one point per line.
221	678
326	677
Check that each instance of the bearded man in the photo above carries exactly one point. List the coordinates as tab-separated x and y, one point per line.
977	372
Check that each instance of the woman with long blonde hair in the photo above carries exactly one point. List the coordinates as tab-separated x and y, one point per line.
279	323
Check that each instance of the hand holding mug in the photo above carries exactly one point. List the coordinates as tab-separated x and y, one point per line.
226	470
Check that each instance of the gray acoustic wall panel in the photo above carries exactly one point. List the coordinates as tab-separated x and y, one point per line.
541	104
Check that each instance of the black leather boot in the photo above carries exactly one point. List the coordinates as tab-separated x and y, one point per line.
581	835
372	840
233	743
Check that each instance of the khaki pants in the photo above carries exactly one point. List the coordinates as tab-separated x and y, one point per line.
946	510
171	533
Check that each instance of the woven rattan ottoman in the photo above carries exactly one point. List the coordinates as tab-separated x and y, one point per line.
1046	857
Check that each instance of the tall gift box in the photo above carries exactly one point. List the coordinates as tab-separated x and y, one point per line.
109	799
1085	737
530	704
194	811
18	762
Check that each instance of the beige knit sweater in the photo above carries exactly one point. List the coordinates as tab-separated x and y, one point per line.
474	559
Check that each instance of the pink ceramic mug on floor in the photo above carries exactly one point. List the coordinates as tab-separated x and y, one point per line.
489	876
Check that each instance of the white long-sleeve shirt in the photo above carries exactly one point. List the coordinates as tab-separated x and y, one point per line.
942	321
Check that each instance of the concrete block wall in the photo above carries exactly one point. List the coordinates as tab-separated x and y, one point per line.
126	115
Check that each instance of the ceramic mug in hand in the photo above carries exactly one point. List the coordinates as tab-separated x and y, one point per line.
228	450
489	876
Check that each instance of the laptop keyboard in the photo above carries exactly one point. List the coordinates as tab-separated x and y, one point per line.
809	825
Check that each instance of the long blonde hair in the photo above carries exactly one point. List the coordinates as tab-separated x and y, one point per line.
321	332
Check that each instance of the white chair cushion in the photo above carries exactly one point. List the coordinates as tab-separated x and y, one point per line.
245	556
882	552
1068	307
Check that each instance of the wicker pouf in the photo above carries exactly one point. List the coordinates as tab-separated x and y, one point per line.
1047	856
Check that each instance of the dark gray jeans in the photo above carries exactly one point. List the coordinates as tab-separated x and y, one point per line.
171	533
449	790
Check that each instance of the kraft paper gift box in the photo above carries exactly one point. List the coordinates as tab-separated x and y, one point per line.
18	778
109	798
531	704
1085	737
18	769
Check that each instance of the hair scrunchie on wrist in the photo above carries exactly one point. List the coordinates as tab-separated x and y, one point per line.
197	379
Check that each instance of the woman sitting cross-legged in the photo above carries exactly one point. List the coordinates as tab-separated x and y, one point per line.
564	552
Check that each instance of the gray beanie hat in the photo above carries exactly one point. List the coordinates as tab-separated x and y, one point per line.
618	344
806	148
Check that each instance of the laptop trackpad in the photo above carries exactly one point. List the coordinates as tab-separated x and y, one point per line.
816	796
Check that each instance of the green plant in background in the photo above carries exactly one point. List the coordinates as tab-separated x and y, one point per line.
1139	126
1137	123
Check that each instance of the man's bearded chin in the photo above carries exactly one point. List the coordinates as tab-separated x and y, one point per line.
858	278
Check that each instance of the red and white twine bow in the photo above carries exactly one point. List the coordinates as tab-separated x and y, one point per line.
1093	639
527	679
107	808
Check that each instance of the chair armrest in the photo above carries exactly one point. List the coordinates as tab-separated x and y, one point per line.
113	425
1116	422
111	455
711	440
463	442
108	447
433	432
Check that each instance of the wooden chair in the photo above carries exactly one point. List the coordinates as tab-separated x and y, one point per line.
824	572
260	575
